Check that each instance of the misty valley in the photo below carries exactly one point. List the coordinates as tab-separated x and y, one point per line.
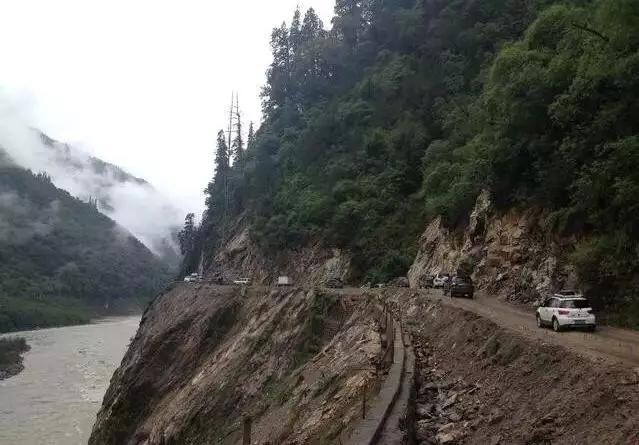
314	222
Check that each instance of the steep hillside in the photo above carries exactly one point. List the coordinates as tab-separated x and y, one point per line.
130	201
404	111
295	361
61	259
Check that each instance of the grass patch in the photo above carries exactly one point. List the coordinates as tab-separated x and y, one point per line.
19	314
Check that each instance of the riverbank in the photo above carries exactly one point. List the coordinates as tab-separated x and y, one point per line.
26	314
11	350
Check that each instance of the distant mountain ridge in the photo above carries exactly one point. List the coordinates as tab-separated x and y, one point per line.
131	201
61	260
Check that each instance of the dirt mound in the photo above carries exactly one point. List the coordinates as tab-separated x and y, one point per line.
480	384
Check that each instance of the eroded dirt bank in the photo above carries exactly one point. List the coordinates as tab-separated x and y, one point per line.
478	383
295	361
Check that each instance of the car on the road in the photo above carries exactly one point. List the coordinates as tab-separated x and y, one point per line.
460	286
192	278
440	279
242	281
566	310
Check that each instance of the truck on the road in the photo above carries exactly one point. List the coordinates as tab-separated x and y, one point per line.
284	281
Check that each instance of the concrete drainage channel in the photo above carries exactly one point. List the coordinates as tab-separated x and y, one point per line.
391	406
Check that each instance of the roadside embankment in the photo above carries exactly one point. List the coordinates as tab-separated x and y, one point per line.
207	358
11	350
479	383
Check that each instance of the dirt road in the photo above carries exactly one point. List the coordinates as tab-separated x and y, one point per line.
608	343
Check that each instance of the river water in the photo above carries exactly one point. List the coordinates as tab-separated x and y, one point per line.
67	371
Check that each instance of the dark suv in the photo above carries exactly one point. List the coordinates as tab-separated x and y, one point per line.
461	287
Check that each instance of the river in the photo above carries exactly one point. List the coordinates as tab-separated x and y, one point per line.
67	371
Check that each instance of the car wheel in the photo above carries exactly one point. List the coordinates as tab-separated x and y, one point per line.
539	322
555	325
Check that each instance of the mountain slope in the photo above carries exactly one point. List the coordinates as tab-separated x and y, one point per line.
132	202
60	257
407	109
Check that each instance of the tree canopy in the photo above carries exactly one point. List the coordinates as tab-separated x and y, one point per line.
406	109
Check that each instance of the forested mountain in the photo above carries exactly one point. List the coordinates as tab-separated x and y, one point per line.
406	109
131	201
61	260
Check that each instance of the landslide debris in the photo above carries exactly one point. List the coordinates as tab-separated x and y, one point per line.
477	383
296	362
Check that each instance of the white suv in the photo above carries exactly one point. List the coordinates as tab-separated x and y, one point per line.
440	280
566	309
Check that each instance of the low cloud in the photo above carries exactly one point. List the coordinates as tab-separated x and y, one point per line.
21	221
130	201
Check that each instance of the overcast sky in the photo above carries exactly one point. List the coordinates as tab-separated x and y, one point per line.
144	84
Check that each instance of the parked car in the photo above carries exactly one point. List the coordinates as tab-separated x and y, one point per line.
566	309
284	281
192	278
440	279
460	286
242	281
334	283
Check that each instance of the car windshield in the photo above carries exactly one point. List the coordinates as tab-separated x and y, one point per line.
575	304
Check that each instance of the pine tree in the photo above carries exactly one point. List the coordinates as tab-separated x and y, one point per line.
222	158
250	142
187	235
279	73
295	32
312	27
348	22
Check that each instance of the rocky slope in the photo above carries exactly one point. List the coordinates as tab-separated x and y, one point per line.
295	361
477	383
240	256
510	254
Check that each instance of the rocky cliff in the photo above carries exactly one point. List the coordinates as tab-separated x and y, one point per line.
240	256
510	254
204	357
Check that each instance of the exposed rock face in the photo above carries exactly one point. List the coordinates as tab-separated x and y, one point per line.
240	257
295	361
509	254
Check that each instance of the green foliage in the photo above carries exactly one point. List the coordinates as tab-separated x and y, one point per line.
60	256
406	110
26	313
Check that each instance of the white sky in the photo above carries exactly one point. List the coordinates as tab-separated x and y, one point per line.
144	84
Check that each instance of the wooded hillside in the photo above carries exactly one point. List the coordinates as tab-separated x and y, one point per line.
406	109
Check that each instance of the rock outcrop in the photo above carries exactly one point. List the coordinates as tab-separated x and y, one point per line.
239	256
510	254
